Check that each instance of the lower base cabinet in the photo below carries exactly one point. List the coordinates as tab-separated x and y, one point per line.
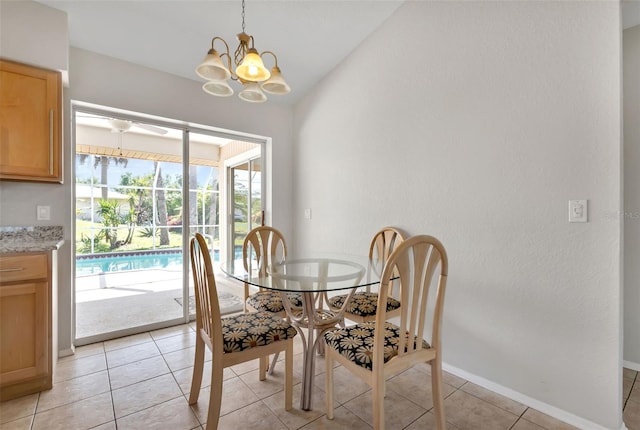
27	298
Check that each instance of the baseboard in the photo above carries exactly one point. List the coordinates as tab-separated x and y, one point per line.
545	408
631	365
66	352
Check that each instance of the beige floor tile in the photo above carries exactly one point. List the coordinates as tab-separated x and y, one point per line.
72	367
343	419
523	424
470	413
19	424
21	407
346	386
447	378
73	390
628	373
108	426
399	411
87	350
546	421
172	331
183	358
248	366
273	384
137	371
296	418
129	354
184	376
255	416
494	398
235	395
145	394
428	422
175	343
415	385
627	384
84	414
123	342
174	414
631	415
635	391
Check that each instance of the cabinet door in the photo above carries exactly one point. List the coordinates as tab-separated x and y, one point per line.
30	108
23	331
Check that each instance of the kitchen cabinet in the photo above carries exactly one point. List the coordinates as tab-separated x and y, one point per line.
27	299
30	123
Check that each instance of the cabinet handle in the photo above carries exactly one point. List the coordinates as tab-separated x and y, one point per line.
51	141
11	270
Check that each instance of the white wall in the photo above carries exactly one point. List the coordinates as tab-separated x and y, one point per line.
477	122
631	71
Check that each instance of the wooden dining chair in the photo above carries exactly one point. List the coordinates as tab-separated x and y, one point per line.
263	247
363	305
374	350
234	339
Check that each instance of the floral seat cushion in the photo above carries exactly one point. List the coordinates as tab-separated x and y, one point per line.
356	342
363	304
271	301
249	330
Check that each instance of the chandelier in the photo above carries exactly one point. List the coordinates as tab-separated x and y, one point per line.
249	70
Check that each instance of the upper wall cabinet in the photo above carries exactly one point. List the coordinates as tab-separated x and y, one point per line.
30	123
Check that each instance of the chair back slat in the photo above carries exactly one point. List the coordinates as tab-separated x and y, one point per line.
414	262
265	246
206	294
383	243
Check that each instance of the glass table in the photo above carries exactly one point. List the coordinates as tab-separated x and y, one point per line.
315	277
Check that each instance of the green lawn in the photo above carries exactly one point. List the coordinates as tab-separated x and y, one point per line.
84	230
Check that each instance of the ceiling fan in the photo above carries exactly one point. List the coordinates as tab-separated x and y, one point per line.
122	125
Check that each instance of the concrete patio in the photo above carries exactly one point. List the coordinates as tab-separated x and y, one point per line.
116	301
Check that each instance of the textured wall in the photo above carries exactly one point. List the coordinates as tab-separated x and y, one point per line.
631	96
477	122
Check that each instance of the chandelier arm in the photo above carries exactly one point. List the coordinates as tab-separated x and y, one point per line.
222	40
270	52
226	54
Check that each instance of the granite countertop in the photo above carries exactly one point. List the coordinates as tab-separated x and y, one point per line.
30	239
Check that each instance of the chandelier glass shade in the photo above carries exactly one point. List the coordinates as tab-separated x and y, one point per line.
217	70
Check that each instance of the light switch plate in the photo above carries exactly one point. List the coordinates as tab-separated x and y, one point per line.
43	213
578	210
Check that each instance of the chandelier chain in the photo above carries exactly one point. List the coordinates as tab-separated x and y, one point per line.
243	16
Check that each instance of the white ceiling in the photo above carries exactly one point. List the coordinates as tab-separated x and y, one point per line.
309	37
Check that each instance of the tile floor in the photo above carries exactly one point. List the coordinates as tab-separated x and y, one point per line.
142	382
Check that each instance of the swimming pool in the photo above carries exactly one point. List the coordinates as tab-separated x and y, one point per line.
105	263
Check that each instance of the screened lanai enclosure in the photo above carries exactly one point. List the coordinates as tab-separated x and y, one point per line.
137	203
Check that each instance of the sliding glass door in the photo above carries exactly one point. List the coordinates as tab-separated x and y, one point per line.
137	204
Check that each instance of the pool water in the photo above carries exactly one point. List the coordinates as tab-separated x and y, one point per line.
116	263
132	261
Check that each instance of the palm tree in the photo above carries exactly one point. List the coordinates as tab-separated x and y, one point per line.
163	217
103	161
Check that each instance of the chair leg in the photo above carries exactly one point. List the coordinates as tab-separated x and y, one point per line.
273	362
215	397
198	365
288	376
378	401
264	363
328	360
436	389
